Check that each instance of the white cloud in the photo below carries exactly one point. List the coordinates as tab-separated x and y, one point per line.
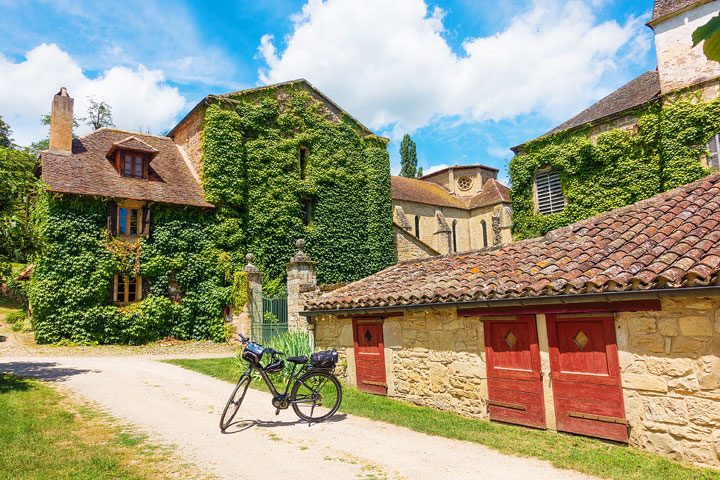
435	168
139	97
389	65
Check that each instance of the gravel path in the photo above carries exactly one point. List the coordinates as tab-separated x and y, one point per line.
181	407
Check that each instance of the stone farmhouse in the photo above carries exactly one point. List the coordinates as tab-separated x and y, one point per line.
562	190
456	209
608	327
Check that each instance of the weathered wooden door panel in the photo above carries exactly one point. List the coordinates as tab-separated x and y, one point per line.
586	380
369	356
515	392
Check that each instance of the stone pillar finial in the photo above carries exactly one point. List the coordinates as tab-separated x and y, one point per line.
250	268
300	256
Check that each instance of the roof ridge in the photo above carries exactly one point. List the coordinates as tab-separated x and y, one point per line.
129	132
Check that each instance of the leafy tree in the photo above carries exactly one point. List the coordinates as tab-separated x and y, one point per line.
419	172
408	158
5	134
16	194
99	114
710	33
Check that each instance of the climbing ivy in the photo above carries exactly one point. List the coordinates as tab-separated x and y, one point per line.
621	167
71	282
251	170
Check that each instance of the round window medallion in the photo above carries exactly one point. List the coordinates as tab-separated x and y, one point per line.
464	183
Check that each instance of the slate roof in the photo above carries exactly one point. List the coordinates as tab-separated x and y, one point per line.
89	172
429	193
665	242
663	8
636	92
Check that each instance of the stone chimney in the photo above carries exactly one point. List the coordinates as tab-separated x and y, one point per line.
61	122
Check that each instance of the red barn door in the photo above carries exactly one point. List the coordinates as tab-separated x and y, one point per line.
586	376
369	356
515	391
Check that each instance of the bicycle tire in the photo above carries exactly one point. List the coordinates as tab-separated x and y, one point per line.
234	402
306	382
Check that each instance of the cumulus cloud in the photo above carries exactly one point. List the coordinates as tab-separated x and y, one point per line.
389	64
435	168
139	97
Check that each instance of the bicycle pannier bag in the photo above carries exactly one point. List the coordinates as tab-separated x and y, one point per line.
253	352
324	359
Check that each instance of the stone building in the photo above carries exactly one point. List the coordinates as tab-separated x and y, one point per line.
609	327
456	209
682	70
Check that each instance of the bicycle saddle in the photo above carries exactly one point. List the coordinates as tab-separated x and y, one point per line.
300	359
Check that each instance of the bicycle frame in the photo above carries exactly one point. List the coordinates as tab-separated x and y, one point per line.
293	376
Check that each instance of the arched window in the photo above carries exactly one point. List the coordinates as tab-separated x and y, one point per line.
417	226
454	233
484	232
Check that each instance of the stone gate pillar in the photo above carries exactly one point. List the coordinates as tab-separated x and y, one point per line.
255	306
300	281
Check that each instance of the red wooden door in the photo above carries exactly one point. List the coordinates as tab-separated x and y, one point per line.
369	356
515	391
586	377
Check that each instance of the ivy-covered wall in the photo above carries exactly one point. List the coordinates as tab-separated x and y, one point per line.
71	284
662	152
251	145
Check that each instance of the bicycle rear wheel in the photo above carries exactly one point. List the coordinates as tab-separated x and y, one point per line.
316	396
234	402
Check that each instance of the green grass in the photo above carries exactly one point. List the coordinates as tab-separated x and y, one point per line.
582	454
46	436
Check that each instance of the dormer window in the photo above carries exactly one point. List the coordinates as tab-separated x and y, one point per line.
131	157
133	165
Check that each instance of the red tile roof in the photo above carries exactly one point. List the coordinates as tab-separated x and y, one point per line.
665	242
89	172
429	193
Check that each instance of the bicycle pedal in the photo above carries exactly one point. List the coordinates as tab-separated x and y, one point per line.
277	411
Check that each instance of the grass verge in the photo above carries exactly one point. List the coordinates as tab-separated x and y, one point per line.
46	436
586	455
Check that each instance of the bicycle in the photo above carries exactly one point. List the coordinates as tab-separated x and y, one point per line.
314	387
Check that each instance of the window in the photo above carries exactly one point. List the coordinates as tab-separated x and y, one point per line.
128	221
464	183
306	209
454	234
417	226
483	224
303	163
549	193
714	157
132	165
127	289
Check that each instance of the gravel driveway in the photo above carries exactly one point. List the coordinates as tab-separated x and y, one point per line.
180	407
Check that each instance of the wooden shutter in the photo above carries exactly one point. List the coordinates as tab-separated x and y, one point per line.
145	221
112	218
145	287
550	198
714	147
111	295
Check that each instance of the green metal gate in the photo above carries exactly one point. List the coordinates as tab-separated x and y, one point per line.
274	320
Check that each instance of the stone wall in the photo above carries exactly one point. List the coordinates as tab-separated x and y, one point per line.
410	248
670	366
679	63
188	136
669	361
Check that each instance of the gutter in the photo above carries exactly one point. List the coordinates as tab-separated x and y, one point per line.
525	301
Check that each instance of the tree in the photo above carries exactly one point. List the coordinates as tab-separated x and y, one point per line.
99	114
710	33
408	158
419	172
5	134
16	196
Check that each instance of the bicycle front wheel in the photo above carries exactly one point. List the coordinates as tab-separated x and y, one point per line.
234	402
316	396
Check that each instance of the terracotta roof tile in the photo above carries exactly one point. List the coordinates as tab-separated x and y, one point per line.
421	191
89	172
664	8
592	256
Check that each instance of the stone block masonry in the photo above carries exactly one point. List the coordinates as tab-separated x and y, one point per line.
669	362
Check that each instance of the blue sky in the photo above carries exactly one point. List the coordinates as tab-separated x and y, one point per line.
467	78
